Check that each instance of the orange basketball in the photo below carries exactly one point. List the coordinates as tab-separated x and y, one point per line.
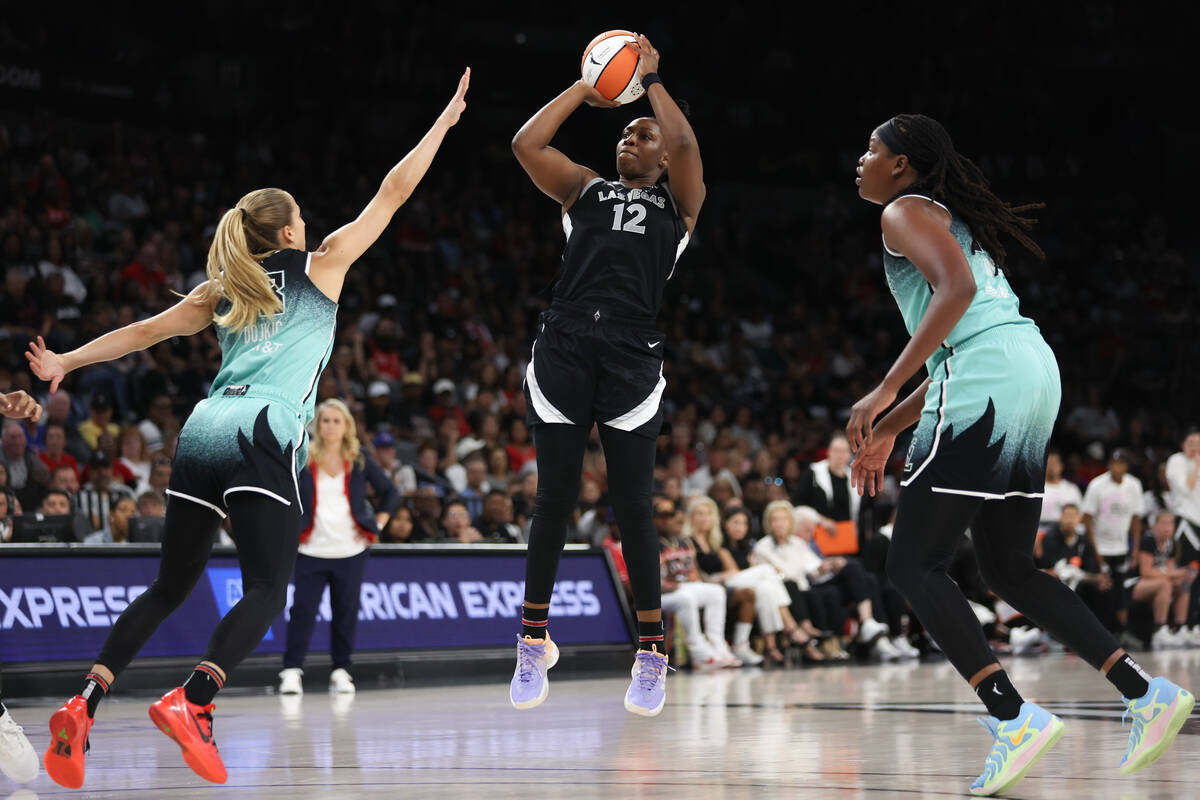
611	67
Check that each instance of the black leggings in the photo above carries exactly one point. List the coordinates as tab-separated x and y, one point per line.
630	461
266	533
928	528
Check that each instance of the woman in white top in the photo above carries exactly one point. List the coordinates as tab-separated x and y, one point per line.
771	598
131	444
337	526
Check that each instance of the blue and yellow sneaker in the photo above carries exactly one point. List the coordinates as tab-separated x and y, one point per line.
1157	717
1018	745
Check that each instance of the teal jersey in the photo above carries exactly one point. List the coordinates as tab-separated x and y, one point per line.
281	357
994	304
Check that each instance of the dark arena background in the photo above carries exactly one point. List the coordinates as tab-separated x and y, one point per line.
125	134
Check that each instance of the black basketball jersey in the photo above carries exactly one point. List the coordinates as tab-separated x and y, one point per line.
621	249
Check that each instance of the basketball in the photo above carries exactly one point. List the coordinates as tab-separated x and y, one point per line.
611	67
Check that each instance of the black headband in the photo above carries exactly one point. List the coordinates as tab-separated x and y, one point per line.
888	134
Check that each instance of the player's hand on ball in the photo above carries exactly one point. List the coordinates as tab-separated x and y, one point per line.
648	61
458	103
592	96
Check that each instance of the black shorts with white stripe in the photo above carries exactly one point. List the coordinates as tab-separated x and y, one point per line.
231	461
590	365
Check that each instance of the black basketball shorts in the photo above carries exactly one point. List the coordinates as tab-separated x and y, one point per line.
589	366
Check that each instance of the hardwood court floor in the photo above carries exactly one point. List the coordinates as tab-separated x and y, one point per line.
903	731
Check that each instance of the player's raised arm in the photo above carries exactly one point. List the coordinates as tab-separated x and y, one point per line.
343	247
190	315
686	168
552	172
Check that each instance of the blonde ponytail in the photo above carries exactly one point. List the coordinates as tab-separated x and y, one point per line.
246	235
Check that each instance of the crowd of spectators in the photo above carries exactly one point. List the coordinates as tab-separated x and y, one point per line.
776	322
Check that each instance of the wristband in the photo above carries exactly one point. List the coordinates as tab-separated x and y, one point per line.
649	79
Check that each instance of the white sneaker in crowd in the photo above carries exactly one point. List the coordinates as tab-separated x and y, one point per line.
1025	641
747	655
289	681
905	647
1164	639
884	650
871	630
340	682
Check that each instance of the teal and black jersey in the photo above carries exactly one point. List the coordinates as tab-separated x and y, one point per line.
994	304
282	356
994	386
250	434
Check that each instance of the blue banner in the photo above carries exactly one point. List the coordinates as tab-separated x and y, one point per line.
57	608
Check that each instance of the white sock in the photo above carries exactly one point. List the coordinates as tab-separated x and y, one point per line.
741	633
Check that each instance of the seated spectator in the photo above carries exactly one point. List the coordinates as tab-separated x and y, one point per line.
1066	553
1059	491
427	514
427	471
116	531
1183	481
400	528
445	404
687	596
817	612
27	475
56	503
519	448
101	494
384	448
158	424
100	412
151	504
54	452
495	524
131	447
64	479
1164	584
856	586
477	485
456	524
716	565
160	477
498	468
525	496
6	516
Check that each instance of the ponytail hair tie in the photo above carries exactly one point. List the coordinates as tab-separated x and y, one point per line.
243	214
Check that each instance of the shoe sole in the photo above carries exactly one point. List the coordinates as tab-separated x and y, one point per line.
62	769
198	765
541	698
1055	732
645	712
1182	711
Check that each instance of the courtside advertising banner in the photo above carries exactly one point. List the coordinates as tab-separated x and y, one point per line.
57	608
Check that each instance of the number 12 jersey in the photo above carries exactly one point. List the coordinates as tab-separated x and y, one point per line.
622	245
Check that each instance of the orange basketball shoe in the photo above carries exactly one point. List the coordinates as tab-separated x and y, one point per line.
69	728
190	726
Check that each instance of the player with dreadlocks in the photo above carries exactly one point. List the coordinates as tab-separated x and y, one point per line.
977	459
